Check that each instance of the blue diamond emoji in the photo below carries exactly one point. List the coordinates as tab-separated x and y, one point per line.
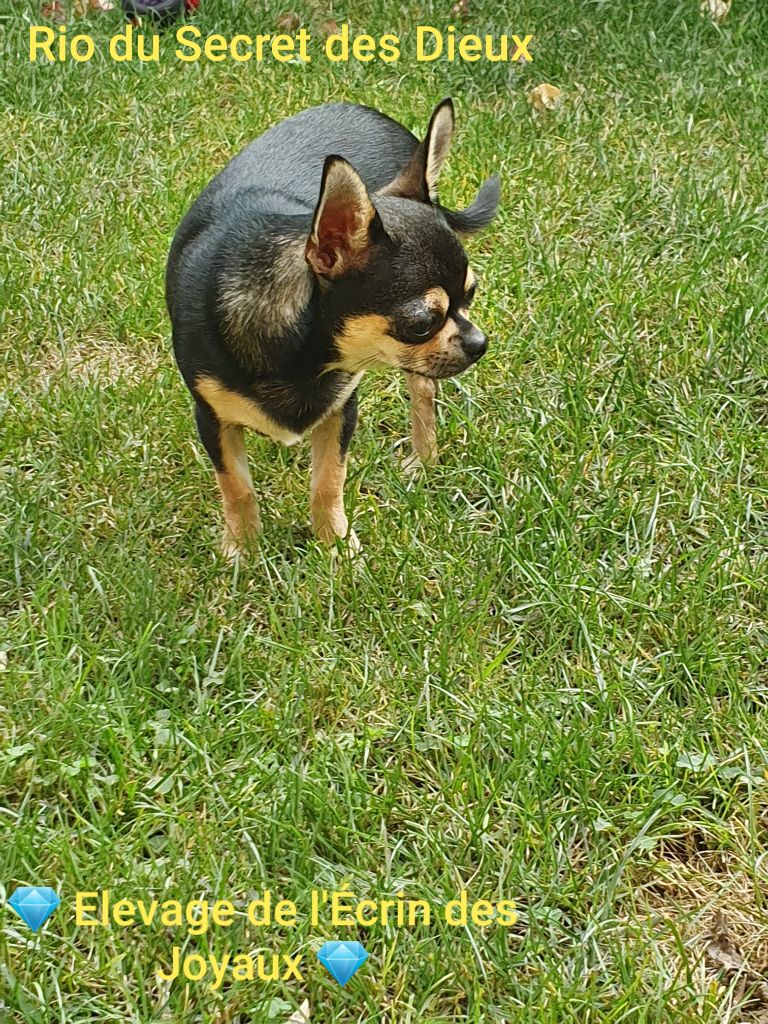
34	904
342	959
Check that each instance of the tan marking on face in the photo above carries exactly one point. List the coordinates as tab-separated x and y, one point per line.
329	471
366	342
469	280
232	408
442	343
441	356
241	513
437	298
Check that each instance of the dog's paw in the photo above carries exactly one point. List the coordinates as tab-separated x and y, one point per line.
330	525
415	464
348	545
230	549
347	550
352	544
412	465
233	548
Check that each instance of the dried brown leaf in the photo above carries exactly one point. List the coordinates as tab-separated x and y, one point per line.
545	97
724	955
717	10
289	21
330	27
54	11
722	950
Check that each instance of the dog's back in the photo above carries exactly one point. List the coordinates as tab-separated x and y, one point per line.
278	175
287	160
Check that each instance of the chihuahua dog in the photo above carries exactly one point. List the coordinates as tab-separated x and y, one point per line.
319	251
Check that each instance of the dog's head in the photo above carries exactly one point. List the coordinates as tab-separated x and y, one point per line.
395	280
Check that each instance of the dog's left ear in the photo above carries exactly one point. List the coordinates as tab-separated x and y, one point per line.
418	179
344	220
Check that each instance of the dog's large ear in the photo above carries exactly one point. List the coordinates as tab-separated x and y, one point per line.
480	213
418	179
344	217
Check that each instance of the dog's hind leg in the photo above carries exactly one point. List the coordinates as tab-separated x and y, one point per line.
225	444
422	393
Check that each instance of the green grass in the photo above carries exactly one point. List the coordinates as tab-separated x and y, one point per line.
546	678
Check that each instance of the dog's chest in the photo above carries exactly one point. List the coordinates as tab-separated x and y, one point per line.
276	412
344	393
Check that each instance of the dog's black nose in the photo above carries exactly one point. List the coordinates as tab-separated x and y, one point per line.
474	343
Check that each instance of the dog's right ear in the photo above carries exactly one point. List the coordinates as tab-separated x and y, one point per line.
340	239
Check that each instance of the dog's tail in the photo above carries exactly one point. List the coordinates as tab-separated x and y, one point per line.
480	213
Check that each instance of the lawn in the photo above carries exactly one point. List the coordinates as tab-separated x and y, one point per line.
545	678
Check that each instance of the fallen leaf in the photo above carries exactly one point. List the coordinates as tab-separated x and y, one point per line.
715	9
545	97
460	9
301	1016
722	949
275	1010
55	11
750	989
289	21
330	27
695	761
724	955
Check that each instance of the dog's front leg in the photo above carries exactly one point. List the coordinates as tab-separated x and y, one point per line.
330	446
226	447
422	392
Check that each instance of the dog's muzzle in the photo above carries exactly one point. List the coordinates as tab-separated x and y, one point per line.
474	343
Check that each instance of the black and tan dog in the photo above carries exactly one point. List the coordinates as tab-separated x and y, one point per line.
296	270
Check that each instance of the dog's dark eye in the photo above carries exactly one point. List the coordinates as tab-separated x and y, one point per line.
426	325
